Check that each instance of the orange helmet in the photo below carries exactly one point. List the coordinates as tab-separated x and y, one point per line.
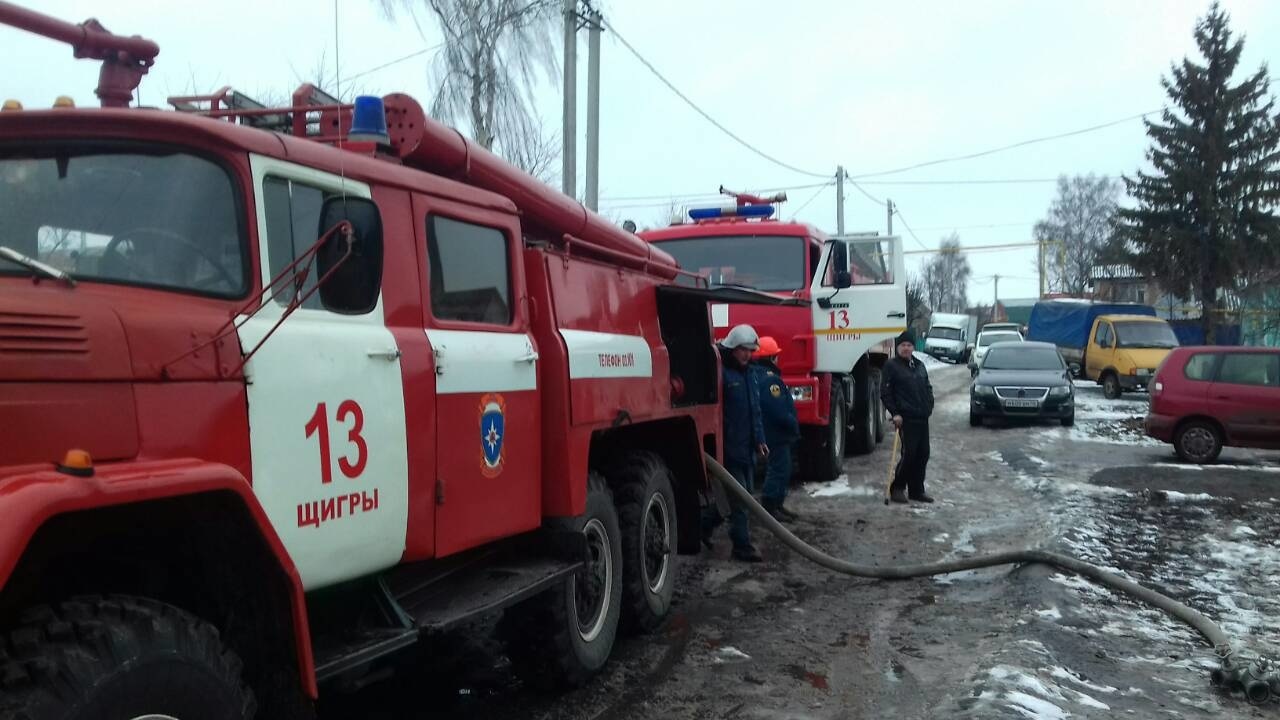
768	348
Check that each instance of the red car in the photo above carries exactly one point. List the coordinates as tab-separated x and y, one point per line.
1203	398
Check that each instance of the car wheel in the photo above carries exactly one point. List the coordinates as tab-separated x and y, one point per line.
1198	442
1111	386
1069	420
975	420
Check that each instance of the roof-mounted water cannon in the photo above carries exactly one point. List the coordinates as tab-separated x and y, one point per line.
124	59
749	199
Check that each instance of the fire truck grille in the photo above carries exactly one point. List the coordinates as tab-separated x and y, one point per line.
42	333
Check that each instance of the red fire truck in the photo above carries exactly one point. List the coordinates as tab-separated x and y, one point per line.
853	290
285	391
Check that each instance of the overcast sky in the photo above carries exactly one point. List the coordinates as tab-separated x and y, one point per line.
871	86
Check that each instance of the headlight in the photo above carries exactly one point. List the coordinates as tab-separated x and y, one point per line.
1061	390
803	393
983	390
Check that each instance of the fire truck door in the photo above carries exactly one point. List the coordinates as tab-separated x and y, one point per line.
489	437
860	300
326	401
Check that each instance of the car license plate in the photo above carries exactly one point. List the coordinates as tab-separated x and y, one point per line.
1021	403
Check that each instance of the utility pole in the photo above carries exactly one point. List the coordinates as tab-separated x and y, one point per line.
593	108
889	215
839	200
1040	263
995	303
569	126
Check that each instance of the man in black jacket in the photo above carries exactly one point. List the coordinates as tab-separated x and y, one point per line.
908	397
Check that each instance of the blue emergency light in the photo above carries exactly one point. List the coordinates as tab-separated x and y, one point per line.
746	211
369	121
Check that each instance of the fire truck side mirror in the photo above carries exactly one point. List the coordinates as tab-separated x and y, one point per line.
840	261
356	279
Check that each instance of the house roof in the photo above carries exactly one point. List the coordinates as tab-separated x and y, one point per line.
1018	302
1115	271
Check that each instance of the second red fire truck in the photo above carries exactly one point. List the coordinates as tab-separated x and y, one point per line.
833	345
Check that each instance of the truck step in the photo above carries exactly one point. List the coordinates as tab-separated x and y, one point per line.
357	650
397	607
490	581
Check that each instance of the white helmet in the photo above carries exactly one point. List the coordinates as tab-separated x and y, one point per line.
741	336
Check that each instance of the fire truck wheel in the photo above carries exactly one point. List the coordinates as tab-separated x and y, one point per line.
119	658
825	454
561	638
862	429
879	406
646	515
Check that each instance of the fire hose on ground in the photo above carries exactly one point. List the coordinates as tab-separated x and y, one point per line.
1258	678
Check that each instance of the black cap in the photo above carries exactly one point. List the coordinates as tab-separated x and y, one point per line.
906	336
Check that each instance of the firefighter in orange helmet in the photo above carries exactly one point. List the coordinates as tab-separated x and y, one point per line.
781	427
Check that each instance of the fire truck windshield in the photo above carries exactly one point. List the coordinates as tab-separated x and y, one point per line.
148	217
772	263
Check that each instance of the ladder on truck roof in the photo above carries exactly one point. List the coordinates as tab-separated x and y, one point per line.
314	114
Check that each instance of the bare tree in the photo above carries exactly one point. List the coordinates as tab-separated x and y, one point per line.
946	277
917	303
537	154
1076	231
494	51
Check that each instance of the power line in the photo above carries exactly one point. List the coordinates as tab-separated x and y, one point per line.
975	227
610	27
673	196
868	195
898	211
1003	148
1024	143
811	199
979	181
388	64
970	249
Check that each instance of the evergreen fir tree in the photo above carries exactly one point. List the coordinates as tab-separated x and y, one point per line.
1205	217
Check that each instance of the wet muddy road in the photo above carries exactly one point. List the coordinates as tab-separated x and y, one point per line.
786	639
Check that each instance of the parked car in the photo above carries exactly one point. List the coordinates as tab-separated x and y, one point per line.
1205	398
986	339
1022	380
1011	327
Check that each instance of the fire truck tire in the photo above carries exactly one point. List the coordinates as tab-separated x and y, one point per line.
879	406
862	429
824	449
562	637
646	516
107	658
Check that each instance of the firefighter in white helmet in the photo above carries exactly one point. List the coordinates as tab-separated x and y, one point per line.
743	436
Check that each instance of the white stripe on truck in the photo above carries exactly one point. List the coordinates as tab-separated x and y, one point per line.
606	355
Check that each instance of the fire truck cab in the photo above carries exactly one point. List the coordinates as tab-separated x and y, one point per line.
852	293
286	391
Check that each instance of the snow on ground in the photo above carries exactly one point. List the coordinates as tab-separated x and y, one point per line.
728	654
931	362
1202	468
840	487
